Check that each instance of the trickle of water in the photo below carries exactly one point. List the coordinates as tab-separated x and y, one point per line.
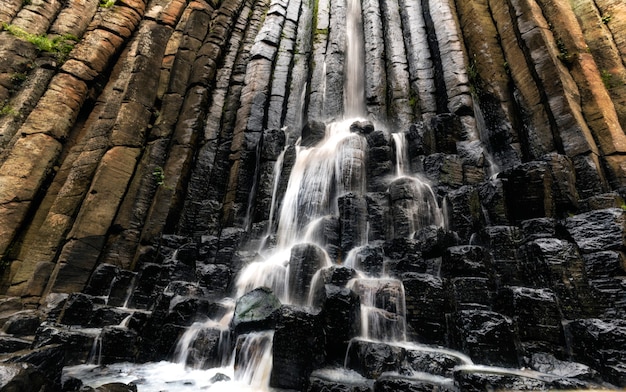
278	169
253	359
402	159
415	202
187	340
383	313
95	356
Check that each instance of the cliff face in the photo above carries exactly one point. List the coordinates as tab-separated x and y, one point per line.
155	124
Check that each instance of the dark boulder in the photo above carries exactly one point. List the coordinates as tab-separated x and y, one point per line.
298	348
487	337
598	230
444	170
340	319
599	343
78	310
22	323
312	133
555	263
255	310
118	344
476	380
471	293
536	314
273	143
548	363
101	279
305	260
463	212
77	343
338	380
426	304
528	191
398	383
21	377
535	228
204	350
503	243
371	359
352	220
48	360
466	260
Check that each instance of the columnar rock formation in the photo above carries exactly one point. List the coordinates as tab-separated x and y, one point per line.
172	126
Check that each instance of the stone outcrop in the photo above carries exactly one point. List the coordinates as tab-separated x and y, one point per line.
146	147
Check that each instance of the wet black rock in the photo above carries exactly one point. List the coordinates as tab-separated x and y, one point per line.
338	380
464	212
471	293
364	127
116	387
352	220
380	163
298	348
340	319
273	144
22	323
255	310
528	191
304	261
475	380
398	383
371	359
466	260
487	335
426	304
598	343
369	258
48	360
503	243
101	280
118	344
447	130
312	133
22	377
548	363
598	230
78	310
216	278
533	229
203	351
537	316
76	343
444	170
10	344
219	377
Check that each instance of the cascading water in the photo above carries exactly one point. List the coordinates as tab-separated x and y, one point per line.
322	173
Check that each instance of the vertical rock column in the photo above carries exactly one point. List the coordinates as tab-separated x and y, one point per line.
189	126
208	179
375	87
398	86
50	122
422	99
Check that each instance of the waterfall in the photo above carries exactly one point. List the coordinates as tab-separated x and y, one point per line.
354	86
383	309
414	202
402	159
253	361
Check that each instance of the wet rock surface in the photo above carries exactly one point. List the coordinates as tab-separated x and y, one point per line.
146	158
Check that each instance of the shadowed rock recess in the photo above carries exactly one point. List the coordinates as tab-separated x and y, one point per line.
313	195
